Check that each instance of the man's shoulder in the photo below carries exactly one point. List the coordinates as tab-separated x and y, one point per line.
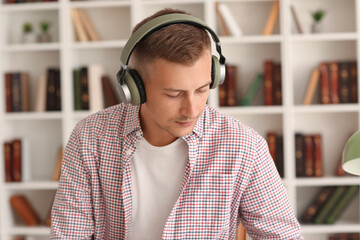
221	123
118	115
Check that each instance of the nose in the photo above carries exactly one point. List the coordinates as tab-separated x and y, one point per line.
188	107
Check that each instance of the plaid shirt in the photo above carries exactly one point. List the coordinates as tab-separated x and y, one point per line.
230	177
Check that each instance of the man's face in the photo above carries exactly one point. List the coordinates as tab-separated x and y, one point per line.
176	96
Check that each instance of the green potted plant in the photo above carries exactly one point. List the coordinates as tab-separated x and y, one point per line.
44	35
28	33
317	17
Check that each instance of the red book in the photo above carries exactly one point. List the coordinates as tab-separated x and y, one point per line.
268	86
8	152
230	91
334	82
353	82
324	84
318	161
277	92
16	171
23	208
8	95
309	156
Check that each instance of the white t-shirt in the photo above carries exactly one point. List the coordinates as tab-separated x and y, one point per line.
157	174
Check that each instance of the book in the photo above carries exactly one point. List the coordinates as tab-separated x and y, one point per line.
16	91
227	20
77	89
51	89
277	89
268	82
320	218
315	205
8	92
334	82
90	30
311	87
273	16
79	28
8	161
271	140
318	160
341	204
252	89
231	78
280	154
109	93
25	92
353	82
16	160
84	88
309	155
324	83
344	82
96	100
40	105
24	210
296	19
300	154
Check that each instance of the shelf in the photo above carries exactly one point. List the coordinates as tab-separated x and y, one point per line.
328	108
253	110
24	116
17	7
29	230
99	45
327	181
336	228
94	4
251	39
31	47
324	37
35	185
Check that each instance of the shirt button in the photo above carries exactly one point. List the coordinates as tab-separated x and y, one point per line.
138	134
128	152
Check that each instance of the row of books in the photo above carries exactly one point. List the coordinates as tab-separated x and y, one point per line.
26	212
336	81
328	204
230	27
84	28
276	149
308	155
17	91
269	82
344	236
93	90
17	162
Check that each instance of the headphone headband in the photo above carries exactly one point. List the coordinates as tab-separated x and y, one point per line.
163	21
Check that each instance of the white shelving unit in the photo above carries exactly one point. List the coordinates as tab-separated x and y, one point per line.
114	19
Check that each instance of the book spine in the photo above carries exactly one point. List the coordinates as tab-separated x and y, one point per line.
344	82
277	92
8	158
313	208
309	156
16	91
334	82
268	87
231	79
273	16
84	88
300	154
311	88
353	82
324	84
342	203
23	208
77	89
8	92
318	160
17	160
252	90
329	204
108	91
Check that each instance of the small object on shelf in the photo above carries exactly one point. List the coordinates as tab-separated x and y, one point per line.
28	34
351	154
44	35
317	16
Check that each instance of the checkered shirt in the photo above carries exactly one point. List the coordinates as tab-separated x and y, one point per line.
230	177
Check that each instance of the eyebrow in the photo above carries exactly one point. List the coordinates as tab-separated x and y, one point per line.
180	90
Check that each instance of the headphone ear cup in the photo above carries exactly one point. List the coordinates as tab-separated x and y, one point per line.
139	91
215	72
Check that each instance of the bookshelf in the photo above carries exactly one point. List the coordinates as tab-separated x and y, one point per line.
297	53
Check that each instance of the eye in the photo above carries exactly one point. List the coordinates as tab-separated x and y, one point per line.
173	95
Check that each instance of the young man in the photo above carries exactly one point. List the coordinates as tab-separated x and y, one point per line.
171	167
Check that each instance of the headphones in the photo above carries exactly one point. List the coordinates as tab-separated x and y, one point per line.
129	83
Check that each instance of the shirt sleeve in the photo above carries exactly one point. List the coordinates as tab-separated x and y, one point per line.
265	209
72	214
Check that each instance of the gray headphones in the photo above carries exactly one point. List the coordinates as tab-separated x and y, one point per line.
130	85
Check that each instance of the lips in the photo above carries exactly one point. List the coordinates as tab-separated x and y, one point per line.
185	124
